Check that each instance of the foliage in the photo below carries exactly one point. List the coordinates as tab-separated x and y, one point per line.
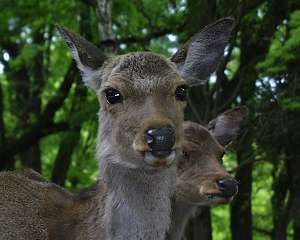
260	70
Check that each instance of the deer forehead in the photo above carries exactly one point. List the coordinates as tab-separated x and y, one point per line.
145	72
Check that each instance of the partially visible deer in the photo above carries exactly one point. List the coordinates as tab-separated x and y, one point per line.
139	137
201	178
139	142
33	208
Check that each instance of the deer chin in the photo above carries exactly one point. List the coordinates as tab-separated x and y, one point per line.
212	197
159	162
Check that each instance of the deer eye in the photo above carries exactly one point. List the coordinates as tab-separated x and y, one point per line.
181	93
113	96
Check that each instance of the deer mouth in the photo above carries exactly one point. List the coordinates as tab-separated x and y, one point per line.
162	158
218	198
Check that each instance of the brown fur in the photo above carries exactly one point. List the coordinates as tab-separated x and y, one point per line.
55	214
201	166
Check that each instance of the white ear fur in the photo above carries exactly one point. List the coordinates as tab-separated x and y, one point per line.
88	74
88	57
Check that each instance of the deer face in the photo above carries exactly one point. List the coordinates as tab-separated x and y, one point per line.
142	95
202	180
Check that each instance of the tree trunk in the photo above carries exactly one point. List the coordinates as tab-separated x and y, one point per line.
296	228
19	79
64	157
240	210
2	130
32	157
200	226
200	14
107	36
5	163
293	166
71	139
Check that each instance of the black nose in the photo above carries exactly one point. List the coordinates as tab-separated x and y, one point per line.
228	187
161	141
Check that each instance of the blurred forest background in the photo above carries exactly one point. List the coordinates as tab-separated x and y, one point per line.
48	119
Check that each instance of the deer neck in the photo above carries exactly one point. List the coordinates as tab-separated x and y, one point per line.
138	201
181	213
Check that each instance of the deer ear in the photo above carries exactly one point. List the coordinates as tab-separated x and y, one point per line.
227	125
200	56
88	57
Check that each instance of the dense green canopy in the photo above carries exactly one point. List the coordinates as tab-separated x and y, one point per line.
48	119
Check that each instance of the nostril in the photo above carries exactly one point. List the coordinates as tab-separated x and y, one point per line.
228	187
160	138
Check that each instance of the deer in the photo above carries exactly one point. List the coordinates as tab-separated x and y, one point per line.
139	139
45	210
201	178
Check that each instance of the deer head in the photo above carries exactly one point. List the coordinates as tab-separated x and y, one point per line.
202	180
142	95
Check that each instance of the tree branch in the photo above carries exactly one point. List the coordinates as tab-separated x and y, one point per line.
91	3
45	125
141	9
56	102
239	82
64	156
105	24
145	39
31	137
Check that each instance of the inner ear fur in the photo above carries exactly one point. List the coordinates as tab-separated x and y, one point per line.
227	125
200	56
88	57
